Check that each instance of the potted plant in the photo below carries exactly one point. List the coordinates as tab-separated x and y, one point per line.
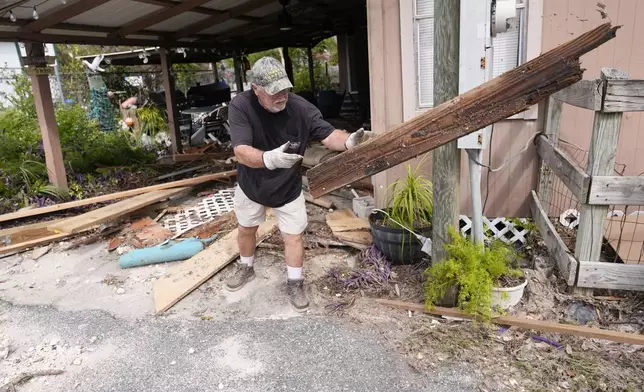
486	277
410	206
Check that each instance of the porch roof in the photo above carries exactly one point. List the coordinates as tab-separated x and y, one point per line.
219	26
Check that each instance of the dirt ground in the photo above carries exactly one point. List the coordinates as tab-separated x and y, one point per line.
89	278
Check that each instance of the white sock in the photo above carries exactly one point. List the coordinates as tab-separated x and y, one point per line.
248	260
294	273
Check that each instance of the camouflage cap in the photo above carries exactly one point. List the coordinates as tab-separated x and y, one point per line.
270	74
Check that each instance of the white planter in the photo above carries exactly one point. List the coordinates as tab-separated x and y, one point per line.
514	295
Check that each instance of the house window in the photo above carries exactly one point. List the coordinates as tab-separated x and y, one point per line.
424	51
508	48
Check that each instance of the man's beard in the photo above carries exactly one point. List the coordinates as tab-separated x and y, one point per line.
276	108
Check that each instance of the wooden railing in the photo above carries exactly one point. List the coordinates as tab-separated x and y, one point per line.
595	187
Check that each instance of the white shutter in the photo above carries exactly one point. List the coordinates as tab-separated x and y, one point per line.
424	56
506	52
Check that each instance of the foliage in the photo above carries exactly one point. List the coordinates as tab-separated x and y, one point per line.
410	200
152	120
21	97
85	148
474	269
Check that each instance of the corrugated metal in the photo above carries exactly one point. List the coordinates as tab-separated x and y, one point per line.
425	61
114	13
506	51
225	4
179	21
222	27
265	10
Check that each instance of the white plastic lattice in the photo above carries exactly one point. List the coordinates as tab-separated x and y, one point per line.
207	209
500	228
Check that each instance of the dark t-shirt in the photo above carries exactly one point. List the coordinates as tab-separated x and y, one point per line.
252	125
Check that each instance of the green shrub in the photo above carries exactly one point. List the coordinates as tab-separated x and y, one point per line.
474	269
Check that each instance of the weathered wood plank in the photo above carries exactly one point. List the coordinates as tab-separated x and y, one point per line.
495	100
181	279
585	94
570	174
611	190
113	211
601	162
599	275
624	96
566	263
114	196
550	113
543	326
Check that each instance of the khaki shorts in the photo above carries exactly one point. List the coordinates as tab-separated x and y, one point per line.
291	217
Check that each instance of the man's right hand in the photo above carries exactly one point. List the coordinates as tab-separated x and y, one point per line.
278	159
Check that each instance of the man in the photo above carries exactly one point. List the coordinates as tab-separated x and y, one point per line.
264	121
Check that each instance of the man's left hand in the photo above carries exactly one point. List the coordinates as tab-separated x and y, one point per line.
358	137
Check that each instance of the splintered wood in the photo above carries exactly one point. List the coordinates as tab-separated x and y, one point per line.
500	98
348	228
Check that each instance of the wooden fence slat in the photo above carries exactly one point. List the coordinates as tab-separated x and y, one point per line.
584	94
601	162
570	174
602	275
616	190
566	263
624	96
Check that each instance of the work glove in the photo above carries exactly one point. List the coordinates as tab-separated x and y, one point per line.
358	137
278	159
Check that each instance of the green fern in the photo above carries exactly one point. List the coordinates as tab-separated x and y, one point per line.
474	269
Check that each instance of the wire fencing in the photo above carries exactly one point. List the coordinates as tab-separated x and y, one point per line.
624	226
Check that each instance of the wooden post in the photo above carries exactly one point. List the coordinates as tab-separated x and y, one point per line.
288	64
446	168
215	71
551	116
170	100
601	162
238	74
47	119
311	70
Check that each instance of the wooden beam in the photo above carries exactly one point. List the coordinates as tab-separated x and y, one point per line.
181	279
232	13
170	101
62	13
41	90
495	100
624	96
446	159
543	326
566	263
158	17
601	162
614	276
550	116
23	36
570	174
113	211
585	94
616	190
115	196
288	64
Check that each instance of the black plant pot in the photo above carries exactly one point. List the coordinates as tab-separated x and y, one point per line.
399	245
